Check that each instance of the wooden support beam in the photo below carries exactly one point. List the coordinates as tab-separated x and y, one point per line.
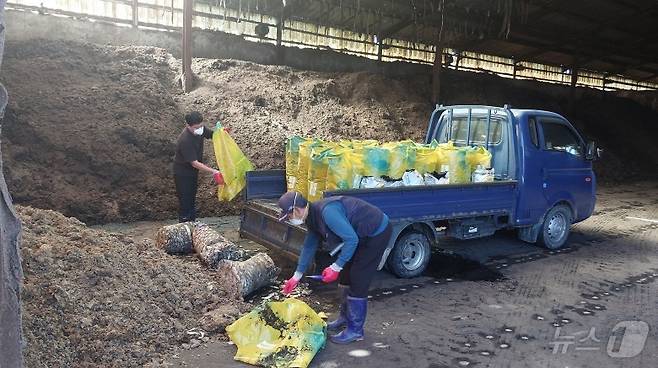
135	13
438	61
379	49
436	74
279	31
572	88
187	76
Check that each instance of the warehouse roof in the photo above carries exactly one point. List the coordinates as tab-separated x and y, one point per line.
610	36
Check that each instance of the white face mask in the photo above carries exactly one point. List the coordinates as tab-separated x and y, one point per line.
198	131
296	222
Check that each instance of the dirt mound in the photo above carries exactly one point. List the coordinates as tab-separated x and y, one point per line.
98	299
266	104
90	129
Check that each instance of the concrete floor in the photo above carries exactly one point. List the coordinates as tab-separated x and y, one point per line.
552	309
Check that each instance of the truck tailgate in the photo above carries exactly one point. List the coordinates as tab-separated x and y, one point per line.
260	216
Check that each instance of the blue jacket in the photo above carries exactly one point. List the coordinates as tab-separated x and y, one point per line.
336	220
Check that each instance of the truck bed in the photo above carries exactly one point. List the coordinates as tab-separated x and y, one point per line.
402	205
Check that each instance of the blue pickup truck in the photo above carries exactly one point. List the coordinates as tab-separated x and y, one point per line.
543	183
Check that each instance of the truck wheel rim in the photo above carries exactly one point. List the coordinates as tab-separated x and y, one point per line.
413	254
557	226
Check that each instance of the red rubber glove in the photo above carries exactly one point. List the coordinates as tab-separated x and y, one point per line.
219	178
329	275
289	286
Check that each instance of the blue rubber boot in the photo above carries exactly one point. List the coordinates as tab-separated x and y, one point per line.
340	322
357	308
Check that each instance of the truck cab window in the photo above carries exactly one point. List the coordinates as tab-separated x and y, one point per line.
559	137
478	134
532	127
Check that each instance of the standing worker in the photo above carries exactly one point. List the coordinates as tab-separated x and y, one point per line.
364	231
187	163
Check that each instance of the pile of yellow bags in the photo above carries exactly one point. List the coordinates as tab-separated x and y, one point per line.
314	166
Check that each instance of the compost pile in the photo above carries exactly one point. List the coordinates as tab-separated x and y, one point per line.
90	130
264	105
98	299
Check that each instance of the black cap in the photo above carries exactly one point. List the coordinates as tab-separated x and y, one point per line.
289	201
193	118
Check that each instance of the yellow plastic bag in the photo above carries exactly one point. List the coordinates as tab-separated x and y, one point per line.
400	158
301	185
232	163
429	158
317	172
479	156
278	334
340	175
292	160
460	170
371	161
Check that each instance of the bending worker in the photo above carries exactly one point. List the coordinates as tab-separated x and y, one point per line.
188	161
364	231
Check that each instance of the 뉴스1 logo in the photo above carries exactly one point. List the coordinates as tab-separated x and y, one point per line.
627	339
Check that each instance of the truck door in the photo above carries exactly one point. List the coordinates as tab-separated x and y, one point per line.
566	174
532	203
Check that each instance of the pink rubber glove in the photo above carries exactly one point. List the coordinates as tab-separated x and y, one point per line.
289	286
330	275
219	178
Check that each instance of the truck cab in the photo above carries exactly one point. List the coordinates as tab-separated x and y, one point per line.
539	149
543	183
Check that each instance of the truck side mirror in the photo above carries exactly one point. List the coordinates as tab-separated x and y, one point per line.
593	152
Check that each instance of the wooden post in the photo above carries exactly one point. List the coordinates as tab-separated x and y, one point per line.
514	70
186	76
436	74
135	13
572	88
280	24
438	60
379	49
279	31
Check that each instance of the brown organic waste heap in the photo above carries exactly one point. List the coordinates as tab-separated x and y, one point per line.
97	299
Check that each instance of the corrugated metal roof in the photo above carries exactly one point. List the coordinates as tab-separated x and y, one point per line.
610	36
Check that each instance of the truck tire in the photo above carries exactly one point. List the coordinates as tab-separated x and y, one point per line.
555	230
410	255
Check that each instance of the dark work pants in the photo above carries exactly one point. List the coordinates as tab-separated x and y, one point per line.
186	187
360	270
